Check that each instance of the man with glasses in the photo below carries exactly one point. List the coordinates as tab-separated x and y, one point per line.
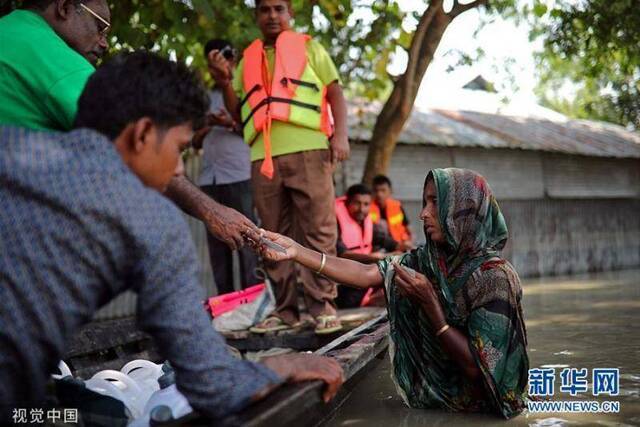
50	48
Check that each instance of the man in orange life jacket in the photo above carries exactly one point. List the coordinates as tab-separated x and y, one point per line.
359	239
286	95
387	209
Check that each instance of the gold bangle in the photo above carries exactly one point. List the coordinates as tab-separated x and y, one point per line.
442	330
322	263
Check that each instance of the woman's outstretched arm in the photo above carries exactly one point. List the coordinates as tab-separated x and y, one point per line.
341	270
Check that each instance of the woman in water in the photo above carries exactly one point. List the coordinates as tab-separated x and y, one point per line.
458	340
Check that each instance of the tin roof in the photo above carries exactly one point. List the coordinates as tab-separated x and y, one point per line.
459	128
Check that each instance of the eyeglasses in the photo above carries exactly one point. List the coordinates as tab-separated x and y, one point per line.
107	26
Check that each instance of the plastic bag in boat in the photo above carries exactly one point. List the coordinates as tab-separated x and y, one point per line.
237	311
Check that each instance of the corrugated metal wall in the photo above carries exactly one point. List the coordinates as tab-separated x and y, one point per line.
552	237
512	174
572	177
550	233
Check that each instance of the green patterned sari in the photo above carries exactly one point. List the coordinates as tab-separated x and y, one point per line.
480	294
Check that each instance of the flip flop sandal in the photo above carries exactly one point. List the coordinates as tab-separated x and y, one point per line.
322	324
270	324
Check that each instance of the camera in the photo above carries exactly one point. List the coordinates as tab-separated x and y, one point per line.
228	52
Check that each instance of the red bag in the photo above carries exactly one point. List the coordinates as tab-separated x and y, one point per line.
227	302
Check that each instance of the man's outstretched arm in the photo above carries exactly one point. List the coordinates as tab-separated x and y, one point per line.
165	277
224	223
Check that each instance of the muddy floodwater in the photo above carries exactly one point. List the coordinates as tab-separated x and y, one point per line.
582	321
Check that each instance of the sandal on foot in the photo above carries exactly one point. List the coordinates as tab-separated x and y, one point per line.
270	324
327	324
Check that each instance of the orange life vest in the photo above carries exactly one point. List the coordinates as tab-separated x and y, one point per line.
395	219
351	232
294	93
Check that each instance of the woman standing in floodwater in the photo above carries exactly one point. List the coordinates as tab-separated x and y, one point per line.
458	340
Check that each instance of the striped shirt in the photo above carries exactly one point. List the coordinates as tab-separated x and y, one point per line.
77	228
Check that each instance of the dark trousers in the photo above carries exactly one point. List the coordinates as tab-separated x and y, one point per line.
236	196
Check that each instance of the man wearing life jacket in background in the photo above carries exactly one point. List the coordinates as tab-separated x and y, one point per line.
386	209
361	240
287	97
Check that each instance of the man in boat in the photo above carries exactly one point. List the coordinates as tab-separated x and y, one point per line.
361	240
287	96
226	177
52	47
83	220
387	210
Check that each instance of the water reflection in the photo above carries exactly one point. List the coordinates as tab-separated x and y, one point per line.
587	321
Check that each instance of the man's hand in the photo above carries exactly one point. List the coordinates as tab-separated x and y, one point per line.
420	290
307	367
230	226
219	68
224	223
339	148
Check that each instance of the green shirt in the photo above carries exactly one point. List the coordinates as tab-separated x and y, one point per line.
41	77
287	138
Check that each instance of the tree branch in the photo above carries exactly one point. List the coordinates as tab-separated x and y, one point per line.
459	8
417	42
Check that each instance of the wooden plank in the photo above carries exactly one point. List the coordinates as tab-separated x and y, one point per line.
105	335
301	404
352	335
301	341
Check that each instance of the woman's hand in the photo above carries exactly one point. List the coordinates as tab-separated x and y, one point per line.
272	254
420	290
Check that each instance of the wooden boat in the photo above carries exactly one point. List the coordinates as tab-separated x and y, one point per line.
110	344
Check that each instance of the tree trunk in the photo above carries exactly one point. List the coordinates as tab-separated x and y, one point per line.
397	109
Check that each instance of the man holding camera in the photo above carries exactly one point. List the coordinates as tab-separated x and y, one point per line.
226	177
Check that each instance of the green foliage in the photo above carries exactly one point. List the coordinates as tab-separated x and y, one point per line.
180	29
359	36
594	48
592	44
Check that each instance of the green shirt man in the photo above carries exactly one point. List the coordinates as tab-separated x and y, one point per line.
41	76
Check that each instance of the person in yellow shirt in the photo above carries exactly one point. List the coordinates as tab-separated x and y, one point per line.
286	95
